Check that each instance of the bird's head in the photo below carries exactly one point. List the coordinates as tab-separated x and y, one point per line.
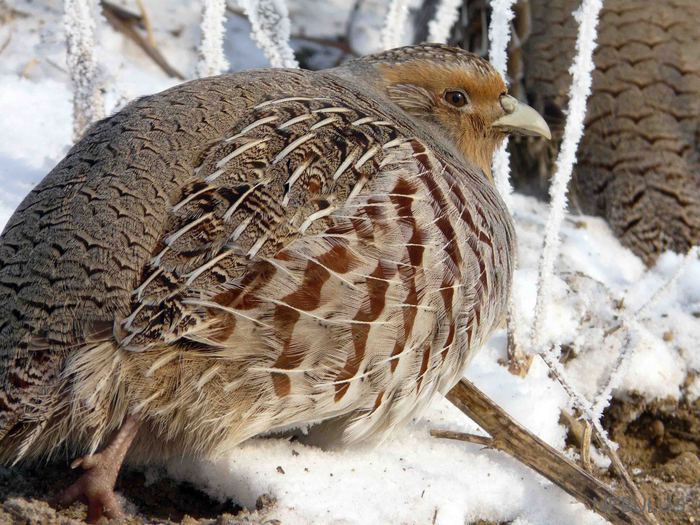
455	91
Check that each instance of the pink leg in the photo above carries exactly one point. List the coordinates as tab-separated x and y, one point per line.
96	486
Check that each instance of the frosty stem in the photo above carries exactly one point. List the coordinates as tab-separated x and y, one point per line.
212	59
508	436
271	30
79	23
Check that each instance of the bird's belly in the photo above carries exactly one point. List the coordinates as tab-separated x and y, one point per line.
321	355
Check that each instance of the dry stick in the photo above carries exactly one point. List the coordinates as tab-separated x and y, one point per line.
461	436
512	438
147	23
519	361
6	42
123	20
586	446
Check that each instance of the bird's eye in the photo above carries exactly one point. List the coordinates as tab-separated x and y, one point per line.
455	98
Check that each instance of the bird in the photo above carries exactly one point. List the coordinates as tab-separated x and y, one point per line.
254	252
638	165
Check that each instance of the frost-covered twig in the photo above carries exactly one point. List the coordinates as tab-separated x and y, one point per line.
271	30
587	411
445	17
499	36
634	326
581	71
88	105
499	33
395	25
602	397
691	255
212	60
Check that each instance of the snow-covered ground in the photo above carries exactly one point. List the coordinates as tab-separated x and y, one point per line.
410	478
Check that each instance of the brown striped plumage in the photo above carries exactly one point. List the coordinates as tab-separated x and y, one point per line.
258	251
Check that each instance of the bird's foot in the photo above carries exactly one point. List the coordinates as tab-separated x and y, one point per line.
95	487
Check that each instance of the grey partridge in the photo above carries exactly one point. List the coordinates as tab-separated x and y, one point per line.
257	251
639	161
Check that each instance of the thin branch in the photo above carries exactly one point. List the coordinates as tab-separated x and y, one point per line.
633	324
7	40
662	290
586	446
581	72
147	23
461	436
395	24
580	403
124	21
212	60
271	30
512	438
88	105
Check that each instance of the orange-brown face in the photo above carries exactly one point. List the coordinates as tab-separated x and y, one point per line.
467	101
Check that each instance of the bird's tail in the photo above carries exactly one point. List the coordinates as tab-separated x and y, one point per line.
25	409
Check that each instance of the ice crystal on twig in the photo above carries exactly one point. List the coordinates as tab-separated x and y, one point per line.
395	25
581	71
212	60
445	17
271	30
88	104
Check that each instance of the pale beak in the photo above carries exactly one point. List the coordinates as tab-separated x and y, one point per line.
521	118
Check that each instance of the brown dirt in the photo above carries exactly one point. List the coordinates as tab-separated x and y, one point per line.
660	443
26	497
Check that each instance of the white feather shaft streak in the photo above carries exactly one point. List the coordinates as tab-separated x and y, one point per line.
79	24
445	17
212	60
581	71
395	24
499	36
271	30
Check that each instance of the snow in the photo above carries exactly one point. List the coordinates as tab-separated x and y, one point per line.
410	478
600	303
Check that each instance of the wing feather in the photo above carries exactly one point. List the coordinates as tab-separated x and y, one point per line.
281	173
